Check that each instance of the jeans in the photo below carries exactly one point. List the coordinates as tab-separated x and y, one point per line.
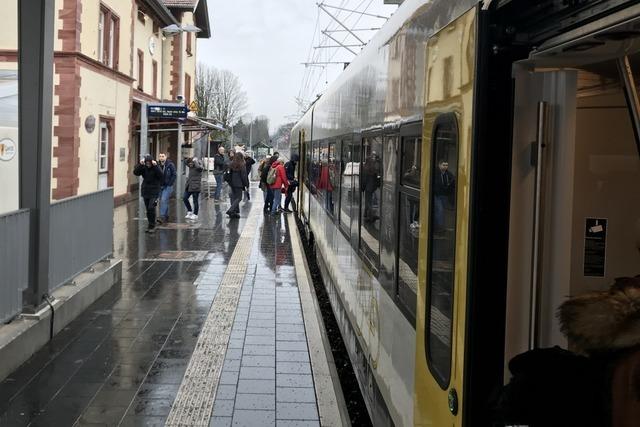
277	196
151	203
236	198
196	196
438	212
164	201
218	191
287	200
268	200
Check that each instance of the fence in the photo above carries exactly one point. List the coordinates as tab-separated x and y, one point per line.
81	233
14	262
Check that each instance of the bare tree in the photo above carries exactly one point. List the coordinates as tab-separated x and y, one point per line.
219	94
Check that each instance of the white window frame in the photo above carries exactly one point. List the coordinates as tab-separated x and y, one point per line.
103	143
101	24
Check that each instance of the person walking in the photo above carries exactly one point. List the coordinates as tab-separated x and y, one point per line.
152	179
264	186
193	187
169	178
249	162
239	182
218	169
280	184
290	169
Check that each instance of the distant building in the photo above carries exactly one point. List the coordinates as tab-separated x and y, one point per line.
110	58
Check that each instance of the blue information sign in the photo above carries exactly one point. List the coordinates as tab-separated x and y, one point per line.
167	111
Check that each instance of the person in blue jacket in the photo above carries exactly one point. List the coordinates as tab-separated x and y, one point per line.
169	178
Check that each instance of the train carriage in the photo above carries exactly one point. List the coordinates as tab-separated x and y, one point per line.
451	176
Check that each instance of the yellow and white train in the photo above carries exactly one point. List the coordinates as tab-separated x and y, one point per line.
449	179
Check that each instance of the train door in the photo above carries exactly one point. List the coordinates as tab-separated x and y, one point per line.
444	225
575	197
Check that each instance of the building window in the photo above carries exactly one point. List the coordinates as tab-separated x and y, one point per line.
189	44
140	70
155	78
187	89
108	38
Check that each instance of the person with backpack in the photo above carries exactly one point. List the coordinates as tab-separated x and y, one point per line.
193	187
264	186
277	180
238	181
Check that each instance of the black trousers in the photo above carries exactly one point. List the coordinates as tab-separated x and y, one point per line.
236	198
287	200
150	203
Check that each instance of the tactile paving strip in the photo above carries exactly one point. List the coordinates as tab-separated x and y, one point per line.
194	402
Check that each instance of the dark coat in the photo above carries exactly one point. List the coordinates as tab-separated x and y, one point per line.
444	184
249	162
290	168
194	182
239	179
169	171
219	163
152	179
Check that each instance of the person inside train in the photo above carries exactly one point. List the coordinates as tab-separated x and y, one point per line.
370	183
444	189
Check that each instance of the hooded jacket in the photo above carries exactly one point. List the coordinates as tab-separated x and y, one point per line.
194	182
169	172
281	177
152	178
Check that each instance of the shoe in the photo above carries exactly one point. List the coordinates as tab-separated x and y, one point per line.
158	221
188	215
194	217
235	216
151	230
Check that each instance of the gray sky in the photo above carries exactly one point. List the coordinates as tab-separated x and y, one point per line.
264	42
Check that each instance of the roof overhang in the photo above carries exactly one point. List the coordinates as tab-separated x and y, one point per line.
200	11
161	11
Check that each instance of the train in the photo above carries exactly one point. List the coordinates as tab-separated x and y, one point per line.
450	178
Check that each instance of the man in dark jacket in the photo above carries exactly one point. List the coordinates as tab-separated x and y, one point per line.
249	163
169	173
290	169
444	190
219	163
152	178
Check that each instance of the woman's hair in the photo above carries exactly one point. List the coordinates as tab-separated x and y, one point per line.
272	159
238	162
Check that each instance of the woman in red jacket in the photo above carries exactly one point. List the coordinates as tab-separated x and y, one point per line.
281	185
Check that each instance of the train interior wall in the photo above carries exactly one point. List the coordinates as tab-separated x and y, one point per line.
592	172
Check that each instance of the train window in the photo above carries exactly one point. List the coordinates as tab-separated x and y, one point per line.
346	183
411	161
442	240
307	164
315	167
370	183
332	176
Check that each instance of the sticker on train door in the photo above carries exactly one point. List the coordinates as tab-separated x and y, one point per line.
595	247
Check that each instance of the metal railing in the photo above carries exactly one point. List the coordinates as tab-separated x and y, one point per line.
14	262
81	234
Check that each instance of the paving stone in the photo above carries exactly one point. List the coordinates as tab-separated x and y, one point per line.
292	356
229	377
226	391
296	411
220	422
257	386
294	380
256	401
257	373
259	350
233	353
290	320
291	336
253	418
223	408
287	327
237	343
264	361
231	365
293	368
293	394
260	339
261	331
297	423
292	345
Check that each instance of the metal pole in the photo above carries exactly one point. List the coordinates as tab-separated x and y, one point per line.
35	83
180	161
208	172
144	150
322	6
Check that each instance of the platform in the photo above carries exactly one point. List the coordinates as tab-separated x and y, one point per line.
212	324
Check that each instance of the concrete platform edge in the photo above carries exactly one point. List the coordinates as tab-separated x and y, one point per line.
331	404
20	339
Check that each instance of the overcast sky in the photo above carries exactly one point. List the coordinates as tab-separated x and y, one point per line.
264	42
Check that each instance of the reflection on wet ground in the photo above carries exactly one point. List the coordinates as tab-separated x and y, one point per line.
122	361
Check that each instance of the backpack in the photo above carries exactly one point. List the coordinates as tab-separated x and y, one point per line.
272	176
227	176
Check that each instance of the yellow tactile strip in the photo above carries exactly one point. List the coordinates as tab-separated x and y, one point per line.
194	401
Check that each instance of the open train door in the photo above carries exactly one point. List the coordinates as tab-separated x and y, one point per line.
575	181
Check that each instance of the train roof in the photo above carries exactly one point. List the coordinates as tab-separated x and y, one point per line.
437	15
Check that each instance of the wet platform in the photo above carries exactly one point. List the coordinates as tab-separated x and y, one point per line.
212	324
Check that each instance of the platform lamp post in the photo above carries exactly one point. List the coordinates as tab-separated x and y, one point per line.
173	30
